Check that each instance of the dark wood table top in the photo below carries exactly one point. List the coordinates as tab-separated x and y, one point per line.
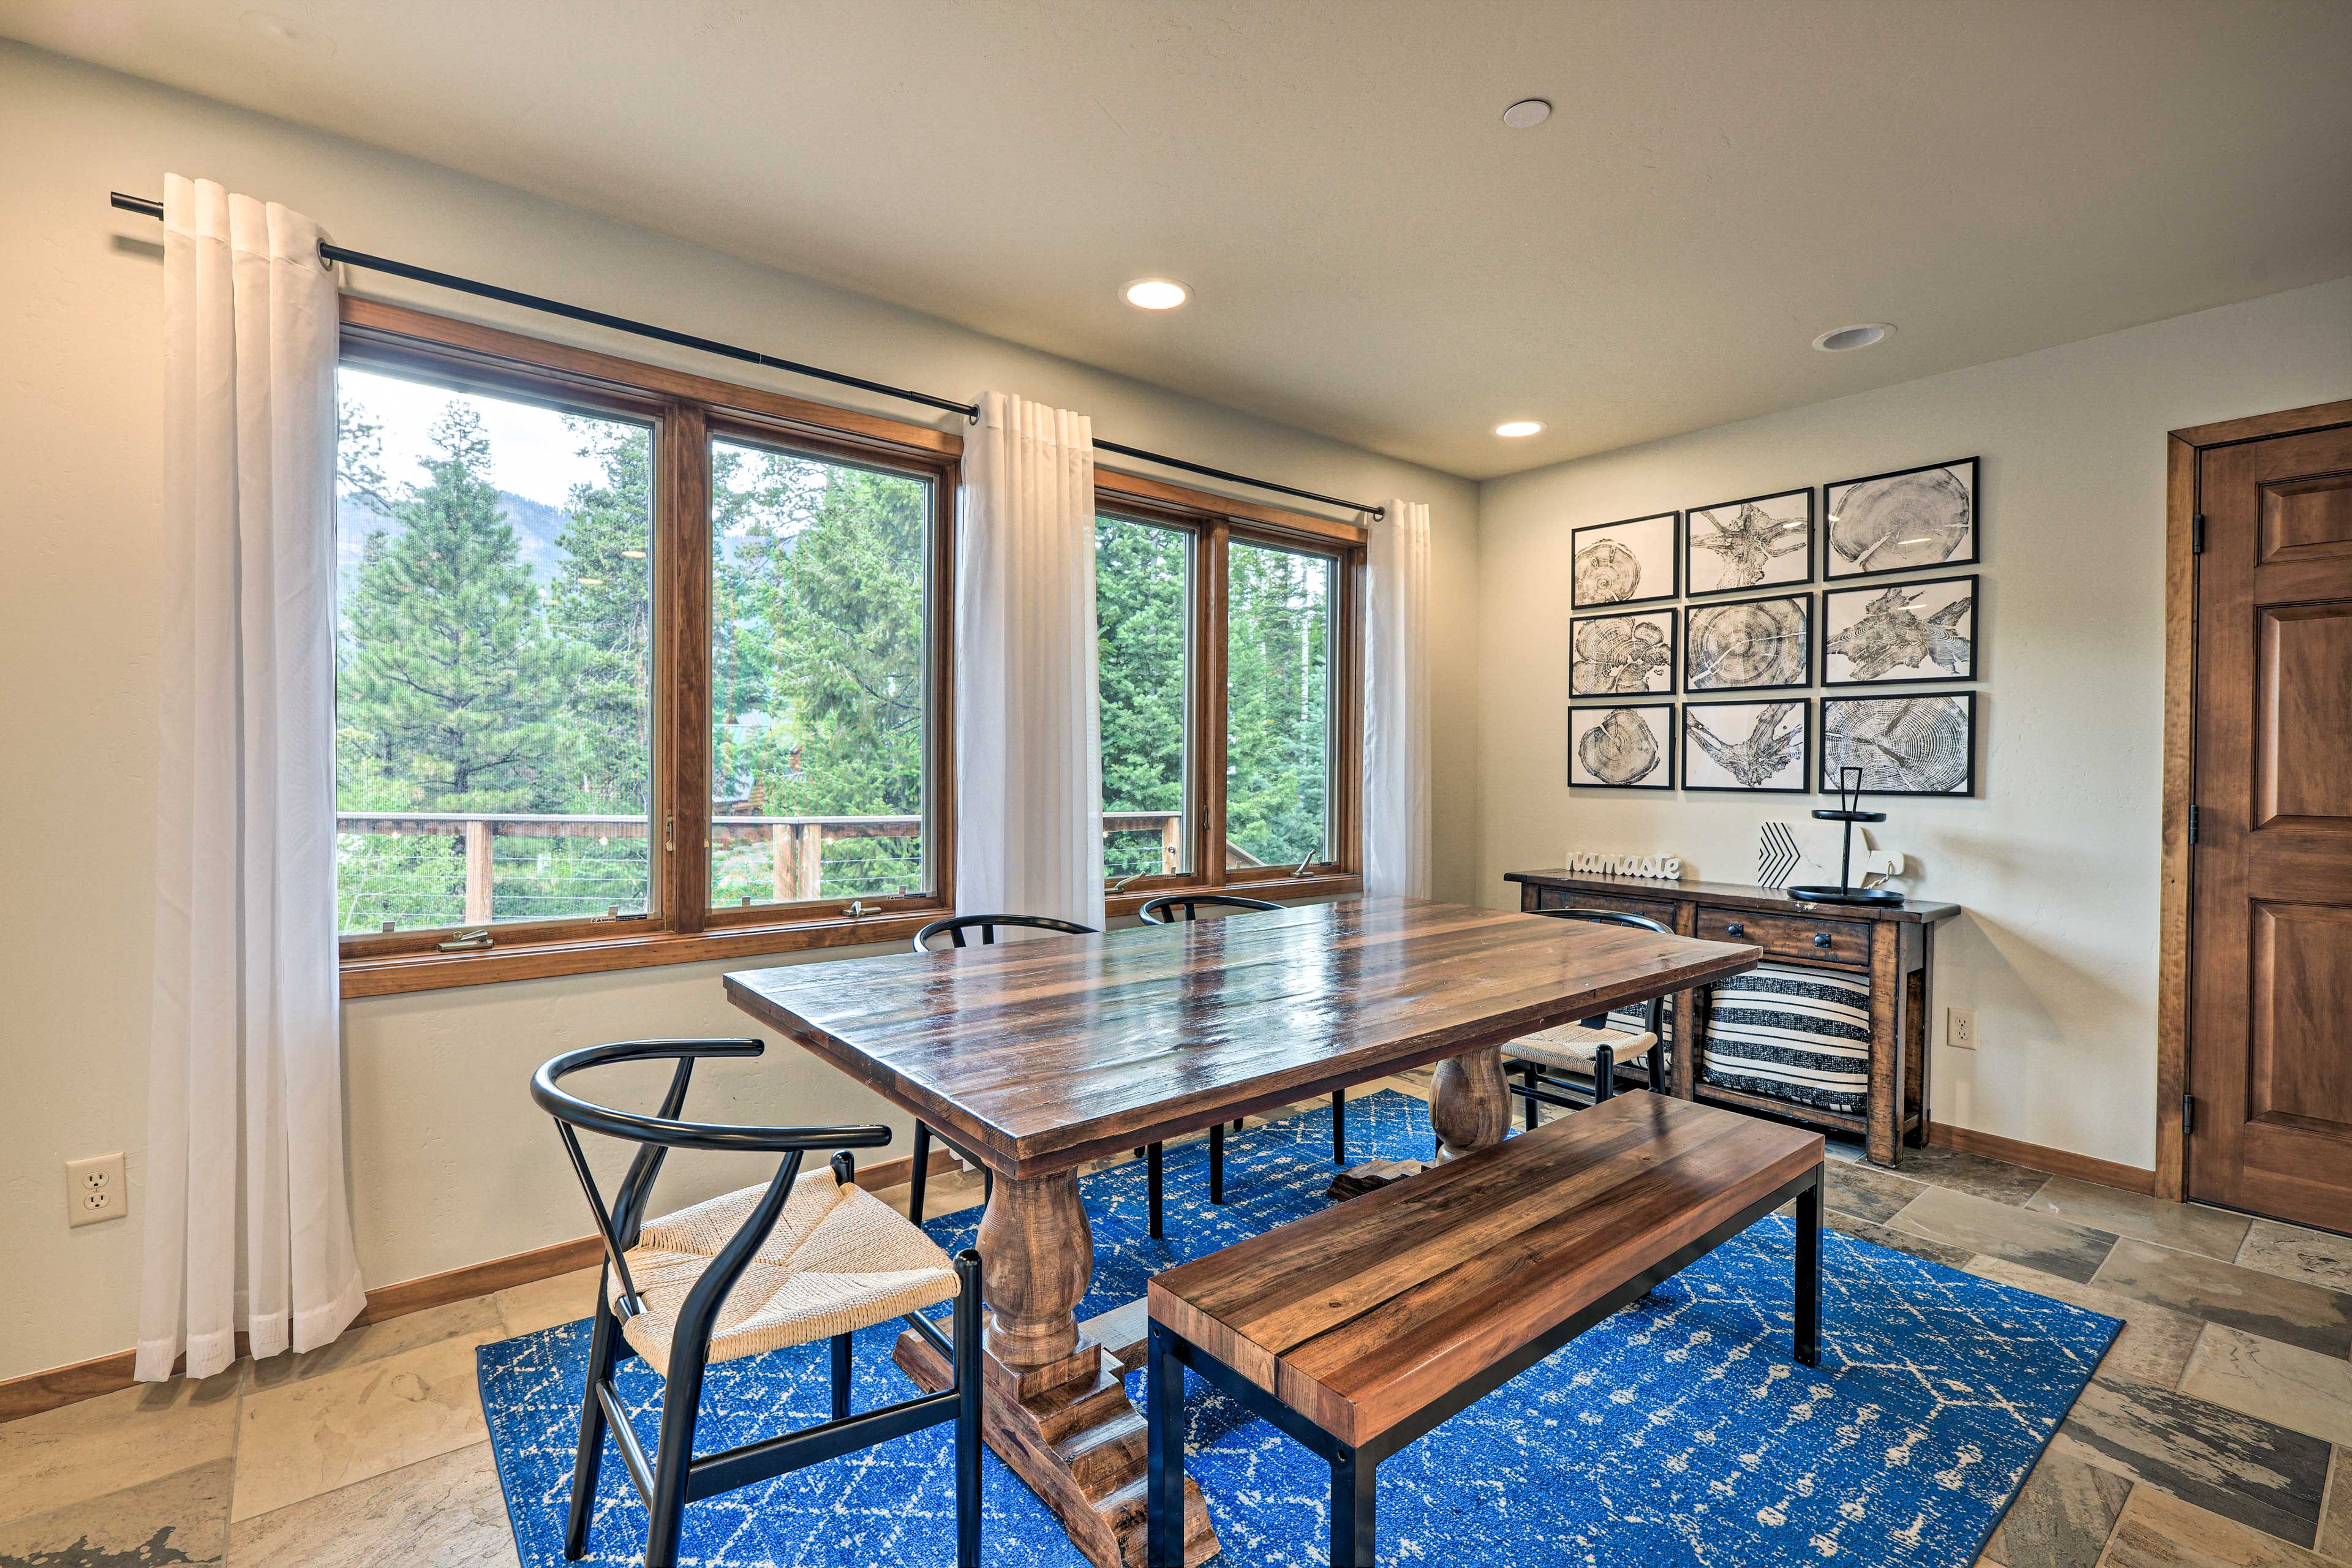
1360	1314
1735	896
1038	1055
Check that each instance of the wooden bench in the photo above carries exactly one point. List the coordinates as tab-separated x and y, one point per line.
1361	1328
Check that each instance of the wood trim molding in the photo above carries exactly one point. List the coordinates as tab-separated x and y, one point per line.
2183	450
59	1386
1279	519
377	318
2035	1157
2170	1178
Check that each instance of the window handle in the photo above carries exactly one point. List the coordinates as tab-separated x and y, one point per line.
1300	870
1123	881
473	941
858	910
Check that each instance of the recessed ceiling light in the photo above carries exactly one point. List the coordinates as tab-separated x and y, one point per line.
1845	340
1518	427
1155	293
1527	114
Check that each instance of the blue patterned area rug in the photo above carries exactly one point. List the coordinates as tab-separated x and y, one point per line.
1677	1432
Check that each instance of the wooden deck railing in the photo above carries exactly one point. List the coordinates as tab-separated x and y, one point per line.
797	843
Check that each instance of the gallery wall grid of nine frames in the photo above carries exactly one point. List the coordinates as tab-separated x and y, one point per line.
1719	605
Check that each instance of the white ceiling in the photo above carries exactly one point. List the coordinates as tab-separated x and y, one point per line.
1376	257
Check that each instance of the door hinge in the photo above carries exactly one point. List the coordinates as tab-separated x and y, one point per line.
2189	1114
2192	825
2197	534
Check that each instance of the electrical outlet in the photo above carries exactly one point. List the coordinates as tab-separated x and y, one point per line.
1960	1028
96	1190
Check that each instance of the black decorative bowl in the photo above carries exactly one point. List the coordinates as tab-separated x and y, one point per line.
1876	898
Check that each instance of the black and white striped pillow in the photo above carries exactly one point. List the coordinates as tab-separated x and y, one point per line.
1797	1034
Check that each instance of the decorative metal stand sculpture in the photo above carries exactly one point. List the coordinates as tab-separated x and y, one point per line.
1849	812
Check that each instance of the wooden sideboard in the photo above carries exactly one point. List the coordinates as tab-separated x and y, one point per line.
1892	947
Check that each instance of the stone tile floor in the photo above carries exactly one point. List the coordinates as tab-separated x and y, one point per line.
2218	1432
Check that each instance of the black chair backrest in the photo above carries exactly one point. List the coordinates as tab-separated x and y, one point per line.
955	926
656	1134
1170	908
1656	1005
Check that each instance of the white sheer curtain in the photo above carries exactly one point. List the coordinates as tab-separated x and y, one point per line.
1028	765
1396	704
248	1224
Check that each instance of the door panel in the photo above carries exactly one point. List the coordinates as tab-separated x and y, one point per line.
2304	752
2301	1071
2270	1047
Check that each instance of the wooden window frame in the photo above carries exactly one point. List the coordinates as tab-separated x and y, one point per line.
1215	522
686	410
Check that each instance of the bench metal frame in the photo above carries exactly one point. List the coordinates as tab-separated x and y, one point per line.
1355	1467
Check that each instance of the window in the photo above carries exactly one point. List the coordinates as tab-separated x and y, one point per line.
819	671
1143	614
636	667
494	660
1279	752
1228	743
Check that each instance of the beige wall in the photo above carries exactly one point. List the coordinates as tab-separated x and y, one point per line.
448	1164
2056	859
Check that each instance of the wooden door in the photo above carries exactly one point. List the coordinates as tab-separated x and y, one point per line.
2270	1044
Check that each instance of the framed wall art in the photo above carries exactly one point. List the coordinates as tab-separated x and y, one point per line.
1738	546
1629	563
1901	633
1622	748
1904	745
1749	747
1611	655
1748	644
1907	520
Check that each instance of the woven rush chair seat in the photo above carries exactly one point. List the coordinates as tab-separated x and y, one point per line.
838	1259
1573	1047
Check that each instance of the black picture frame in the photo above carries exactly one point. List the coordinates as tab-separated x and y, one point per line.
1576	567
1833	496
1674	653
1598	712
1693	629
1823	631
1826	766
1689	571
1691	713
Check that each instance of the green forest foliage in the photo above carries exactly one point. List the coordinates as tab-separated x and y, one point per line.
466	687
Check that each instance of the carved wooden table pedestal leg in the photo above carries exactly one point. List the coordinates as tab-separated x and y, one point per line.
1469	1102
1054	1405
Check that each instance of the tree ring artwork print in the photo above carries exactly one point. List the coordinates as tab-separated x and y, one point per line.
1629	563
1902	522
1904	745
1903	632
1759	543
1755	746
1622	748
1748	644
1615	655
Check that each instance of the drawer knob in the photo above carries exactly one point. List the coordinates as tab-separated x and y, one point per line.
1734	929
1821	939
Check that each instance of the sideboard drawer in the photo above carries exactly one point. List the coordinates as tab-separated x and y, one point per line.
1659	909
1789	936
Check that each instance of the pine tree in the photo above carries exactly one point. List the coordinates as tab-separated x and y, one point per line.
451	682
1139	613
1278	701
601	604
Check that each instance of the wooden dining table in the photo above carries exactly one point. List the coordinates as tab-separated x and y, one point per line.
1040	1055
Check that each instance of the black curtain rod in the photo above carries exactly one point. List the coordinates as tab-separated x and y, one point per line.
345	256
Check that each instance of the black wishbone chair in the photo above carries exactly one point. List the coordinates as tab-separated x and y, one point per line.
1170	908
669	1294
1589	1052
953	928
